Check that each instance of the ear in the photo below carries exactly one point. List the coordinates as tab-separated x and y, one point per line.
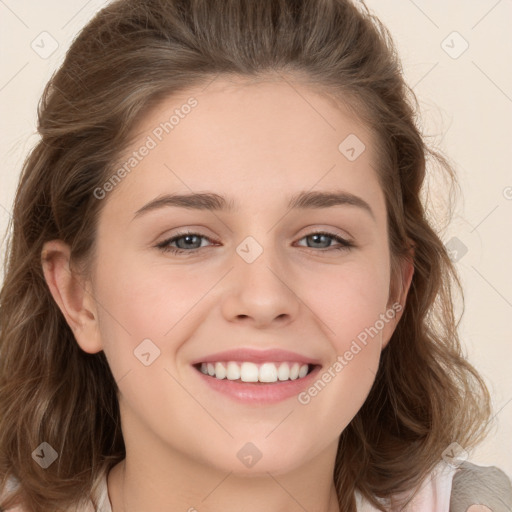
399	288
72	293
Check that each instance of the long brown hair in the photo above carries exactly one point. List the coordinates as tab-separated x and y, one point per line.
131	55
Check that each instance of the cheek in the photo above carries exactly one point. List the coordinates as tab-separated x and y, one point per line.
150	299
143	324
349	299
352	305
140	303
351	308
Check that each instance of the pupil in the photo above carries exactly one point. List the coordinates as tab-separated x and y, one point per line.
189	239
316	238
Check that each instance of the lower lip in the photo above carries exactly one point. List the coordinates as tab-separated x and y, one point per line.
259	393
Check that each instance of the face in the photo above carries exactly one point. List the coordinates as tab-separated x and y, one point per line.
271	281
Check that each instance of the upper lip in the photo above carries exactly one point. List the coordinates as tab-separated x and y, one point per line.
257	356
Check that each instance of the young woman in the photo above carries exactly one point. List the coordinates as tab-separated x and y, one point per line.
222	290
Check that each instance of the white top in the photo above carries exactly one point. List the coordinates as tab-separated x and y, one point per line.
104	504
434	493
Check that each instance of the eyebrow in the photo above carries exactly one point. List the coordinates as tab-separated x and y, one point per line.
215	202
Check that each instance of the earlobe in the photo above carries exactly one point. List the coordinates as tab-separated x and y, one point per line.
71	293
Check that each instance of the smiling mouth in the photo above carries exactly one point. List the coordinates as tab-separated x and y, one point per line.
248	372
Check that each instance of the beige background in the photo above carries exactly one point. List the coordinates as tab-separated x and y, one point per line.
466	102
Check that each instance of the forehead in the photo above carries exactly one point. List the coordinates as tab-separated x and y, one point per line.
248	136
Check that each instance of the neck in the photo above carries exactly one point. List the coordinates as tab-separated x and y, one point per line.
137	485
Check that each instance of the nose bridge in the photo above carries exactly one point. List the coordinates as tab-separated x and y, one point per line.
257	263
261	289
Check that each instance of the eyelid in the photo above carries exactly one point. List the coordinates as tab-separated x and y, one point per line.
327	230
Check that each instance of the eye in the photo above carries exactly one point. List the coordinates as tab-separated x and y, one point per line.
186	242
318	236
190	242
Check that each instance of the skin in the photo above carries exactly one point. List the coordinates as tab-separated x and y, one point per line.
299	294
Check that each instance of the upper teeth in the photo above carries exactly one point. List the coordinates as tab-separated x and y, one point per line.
251	372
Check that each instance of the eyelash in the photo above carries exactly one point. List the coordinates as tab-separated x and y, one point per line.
166	248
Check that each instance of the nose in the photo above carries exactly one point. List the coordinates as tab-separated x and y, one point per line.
261	292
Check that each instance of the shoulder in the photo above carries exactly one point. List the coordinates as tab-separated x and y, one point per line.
483	485
453	489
